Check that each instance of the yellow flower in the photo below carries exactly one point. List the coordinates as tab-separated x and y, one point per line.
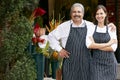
54	23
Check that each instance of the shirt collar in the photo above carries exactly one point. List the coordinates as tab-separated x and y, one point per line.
81	25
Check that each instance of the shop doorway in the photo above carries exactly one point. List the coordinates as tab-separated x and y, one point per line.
63	7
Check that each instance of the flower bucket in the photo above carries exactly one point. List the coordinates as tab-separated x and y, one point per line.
39	59
54	67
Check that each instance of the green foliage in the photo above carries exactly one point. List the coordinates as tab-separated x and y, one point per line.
39	20
16	32
22	70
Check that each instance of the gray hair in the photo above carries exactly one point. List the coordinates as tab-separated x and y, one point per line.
77	5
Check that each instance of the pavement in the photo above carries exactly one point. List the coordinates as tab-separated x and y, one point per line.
48	78
118	74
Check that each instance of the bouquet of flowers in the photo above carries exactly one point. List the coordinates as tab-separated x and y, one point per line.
53	24
39	38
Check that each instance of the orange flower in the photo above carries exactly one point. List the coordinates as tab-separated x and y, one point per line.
55	55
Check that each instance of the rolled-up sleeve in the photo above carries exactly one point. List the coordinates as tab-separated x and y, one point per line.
58	37
53	39
90	31
113	35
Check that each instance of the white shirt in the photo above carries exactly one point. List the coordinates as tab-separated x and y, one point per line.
58	37
101	30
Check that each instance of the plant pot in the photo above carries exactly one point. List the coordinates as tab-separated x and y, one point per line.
54	67
39	59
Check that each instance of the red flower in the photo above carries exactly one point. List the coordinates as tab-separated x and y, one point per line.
36	28
40	40
34	40
38	12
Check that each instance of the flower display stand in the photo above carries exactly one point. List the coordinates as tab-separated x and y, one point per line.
39	59
54	67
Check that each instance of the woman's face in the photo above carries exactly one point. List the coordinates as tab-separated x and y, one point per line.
100	16
77	14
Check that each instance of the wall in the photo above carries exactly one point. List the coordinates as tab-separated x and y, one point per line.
110	5
113	7
118	31
51	7
118	20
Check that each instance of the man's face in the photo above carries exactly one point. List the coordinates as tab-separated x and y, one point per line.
77	14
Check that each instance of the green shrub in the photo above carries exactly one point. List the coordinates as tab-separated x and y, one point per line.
15	35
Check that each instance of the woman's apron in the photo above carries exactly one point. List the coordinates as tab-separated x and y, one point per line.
103	64
76	67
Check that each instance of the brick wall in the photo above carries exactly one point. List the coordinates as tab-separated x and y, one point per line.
110	5
118	32
113	7
118	21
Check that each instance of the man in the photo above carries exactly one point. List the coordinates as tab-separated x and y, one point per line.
69	40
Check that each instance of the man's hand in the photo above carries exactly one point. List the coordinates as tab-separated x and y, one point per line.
113	27
64	54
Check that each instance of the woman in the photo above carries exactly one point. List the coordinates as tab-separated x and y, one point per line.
102	42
